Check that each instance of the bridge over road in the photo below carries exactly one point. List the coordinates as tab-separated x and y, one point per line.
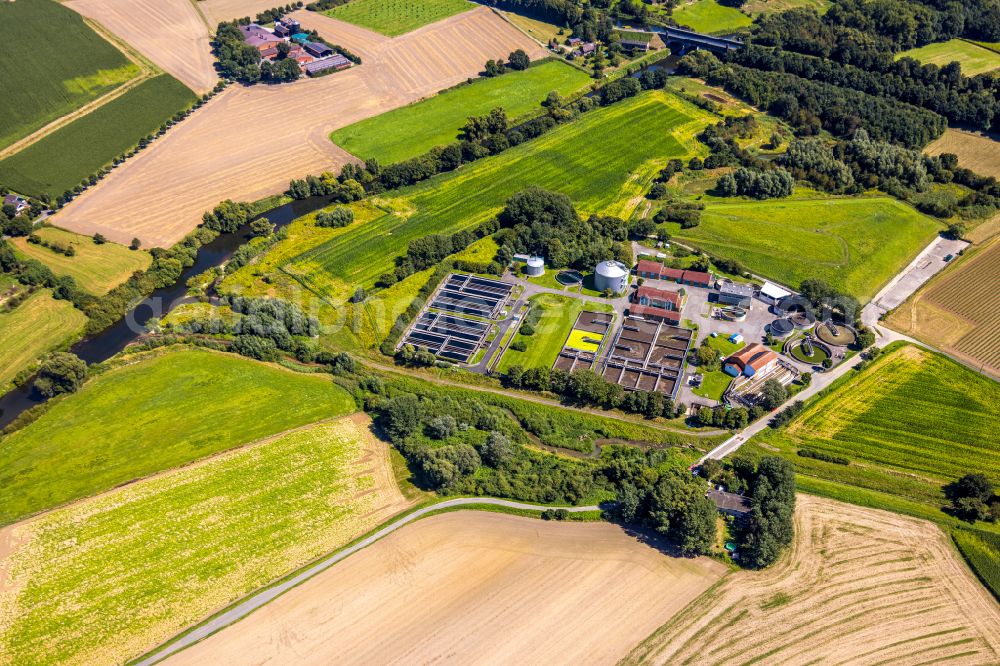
681	40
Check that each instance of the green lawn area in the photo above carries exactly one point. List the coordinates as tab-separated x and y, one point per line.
34	327
973	58
51	63
855	244
713	385
413	130
148	560
96	268
596	160
167	410
553	317
909	423
756	7
395	17
72	153
708	16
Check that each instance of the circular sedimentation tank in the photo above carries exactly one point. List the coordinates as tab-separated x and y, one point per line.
839	335
819	352
781	328
569	278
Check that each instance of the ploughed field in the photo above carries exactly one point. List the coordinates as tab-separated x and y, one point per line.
596	160
472	586
413	130
395	17
248	142
150	414
855	245
859	586
104	580
959	311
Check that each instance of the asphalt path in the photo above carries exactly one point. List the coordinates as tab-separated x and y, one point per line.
258	599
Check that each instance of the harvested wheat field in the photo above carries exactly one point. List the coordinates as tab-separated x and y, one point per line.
472	587
975	151
216	11
860	586
959	311
106	579
248	142
169	32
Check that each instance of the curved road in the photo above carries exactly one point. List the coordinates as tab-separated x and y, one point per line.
258	599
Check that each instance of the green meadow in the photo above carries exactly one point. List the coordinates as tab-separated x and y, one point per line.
856	245
72	153
36	326
973	58
96	268
552	316
413	130
604	161
396	17
710	17
150	415
51	63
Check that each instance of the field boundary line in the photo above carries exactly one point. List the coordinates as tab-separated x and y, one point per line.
192	464
245	606
147	71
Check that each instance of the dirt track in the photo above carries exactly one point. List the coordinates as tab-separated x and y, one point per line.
860	587
248	143
471	587
168	32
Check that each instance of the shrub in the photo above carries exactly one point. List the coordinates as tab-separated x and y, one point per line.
340	216
825	457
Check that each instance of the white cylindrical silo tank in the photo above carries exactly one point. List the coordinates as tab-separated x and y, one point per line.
534	267
611	275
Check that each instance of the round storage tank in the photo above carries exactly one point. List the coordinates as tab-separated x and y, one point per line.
534	267
611	275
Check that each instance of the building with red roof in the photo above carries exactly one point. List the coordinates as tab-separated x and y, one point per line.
751	360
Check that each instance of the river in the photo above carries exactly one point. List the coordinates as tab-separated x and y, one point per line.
102	346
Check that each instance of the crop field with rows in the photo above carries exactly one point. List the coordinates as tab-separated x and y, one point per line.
959	311
150	559
911	421
604	161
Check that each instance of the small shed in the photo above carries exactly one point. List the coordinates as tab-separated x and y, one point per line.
771	293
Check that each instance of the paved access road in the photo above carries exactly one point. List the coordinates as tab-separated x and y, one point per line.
258	599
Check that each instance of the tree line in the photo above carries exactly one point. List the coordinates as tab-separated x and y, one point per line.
812	106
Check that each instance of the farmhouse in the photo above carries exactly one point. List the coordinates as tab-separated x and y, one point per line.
637	40
654	270
588	48
731	293
752	360
730	504
19	203
260	38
